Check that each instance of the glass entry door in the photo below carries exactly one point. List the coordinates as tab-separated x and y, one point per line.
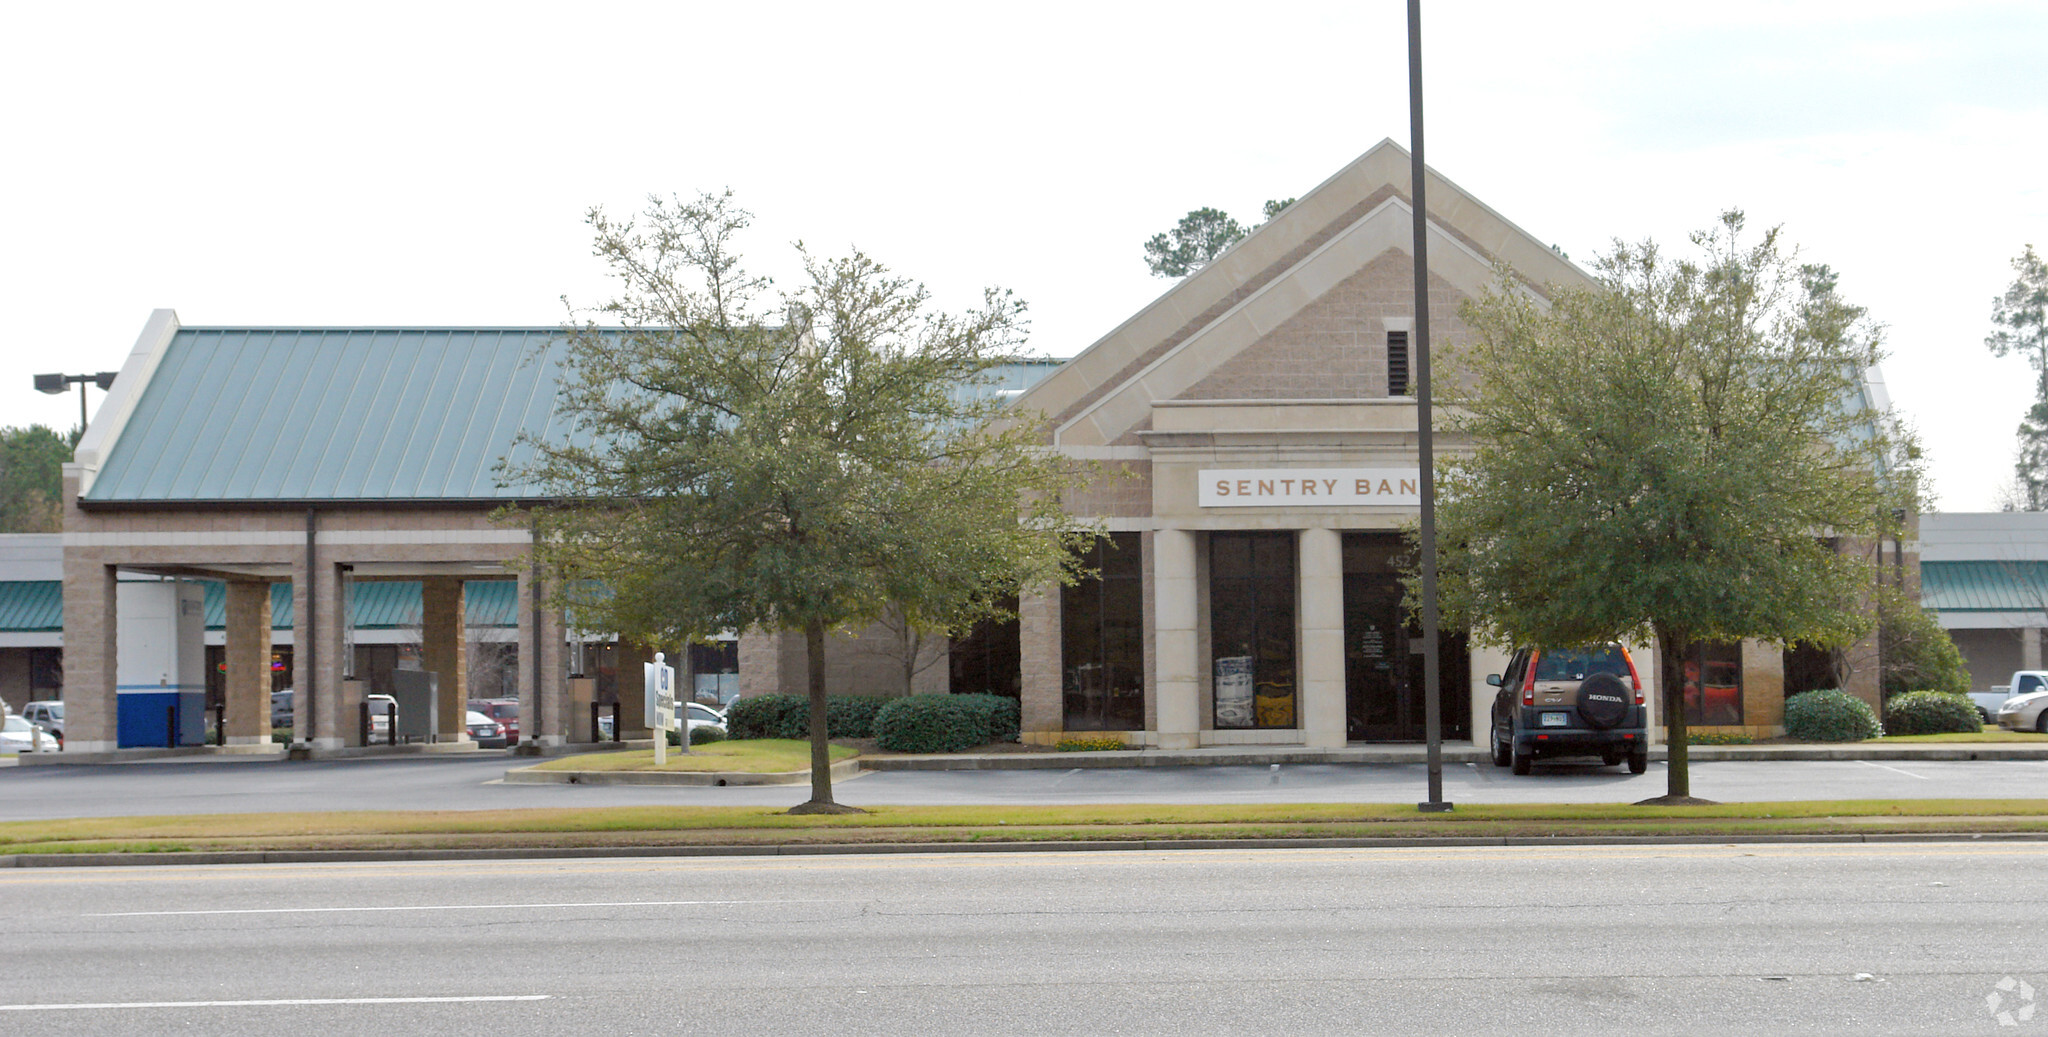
1383	680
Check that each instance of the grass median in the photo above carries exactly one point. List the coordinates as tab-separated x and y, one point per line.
752	756
768	827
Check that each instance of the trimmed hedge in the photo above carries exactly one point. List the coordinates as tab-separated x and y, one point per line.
851	716
768	716
789	716
1091	744
945	723
701	736
1829	715
1931	713
1005	715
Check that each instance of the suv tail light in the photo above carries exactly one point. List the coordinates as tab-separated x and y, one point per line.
1529	681
1635	679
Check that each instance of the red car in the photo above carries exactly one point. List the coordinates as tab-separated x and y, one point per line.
504	711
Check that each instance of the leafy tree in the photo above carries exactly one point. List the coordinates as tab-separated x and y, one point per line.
1918	653
1665	456
1200	237
786	461
32	478
2021	315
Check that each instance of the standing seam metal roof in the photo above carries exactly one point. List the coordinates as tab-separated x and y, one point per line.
332	414
1984	586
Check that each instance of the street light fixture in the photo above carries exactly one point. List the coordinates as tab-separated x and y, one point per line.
59	384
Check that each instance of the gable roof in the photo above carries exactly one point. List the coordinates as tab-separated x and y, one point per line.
324	414
1356	215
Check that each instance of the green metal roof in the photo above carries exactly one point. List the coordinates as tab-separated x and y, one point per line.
383	605
1984	586
31	605
322	414
352	414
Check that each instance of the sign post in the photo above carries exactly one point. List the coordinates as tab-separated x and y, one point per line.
661	705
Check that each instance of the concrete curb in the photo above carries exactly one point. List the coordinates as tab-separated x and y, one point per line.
92	860
841	771
1461	754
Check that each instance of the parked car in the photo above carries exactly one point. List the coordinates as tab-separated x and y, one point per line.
383	709
2027	712
504	711
1570	702
702	716
484	731
47	714
17	735
281	708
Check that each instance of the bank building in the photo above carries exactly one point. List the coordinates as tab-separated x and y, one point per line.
1255	424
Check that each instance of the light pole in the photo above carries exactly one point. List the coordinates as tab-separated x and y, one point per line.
59	384
1432	684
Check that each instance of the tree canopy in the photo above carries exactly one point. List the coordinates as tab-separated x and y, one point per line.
32	478
2021	318
1200	237
1682	453
752	459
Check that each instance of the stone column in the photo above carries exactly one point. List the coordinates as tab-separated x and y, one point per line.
1038	622
760	654
1763	688
1176	634
248	663
90	621
1321	662
2030	649
1485	660
444	650
543	707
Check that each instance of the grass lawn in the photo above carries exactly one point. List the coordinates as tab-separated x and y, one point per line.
768	827
751	755
1989	734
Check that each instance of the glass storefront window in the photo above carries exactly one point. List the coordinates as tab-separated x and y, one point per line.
1719	702
1102	640
1251	629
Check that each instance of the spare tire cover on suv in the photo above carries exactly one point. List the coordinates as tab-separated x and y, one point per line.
1603	700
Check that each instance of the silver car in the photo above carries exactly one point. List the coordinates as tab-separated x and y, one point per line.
17	735
2025	713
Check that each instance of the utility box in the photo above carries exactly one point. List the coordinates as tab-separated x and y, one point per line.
160	673
418	694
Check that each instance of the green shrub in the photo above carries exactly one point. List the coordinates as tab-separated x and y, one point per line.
1829	715
932	724
1003	715
851	716
1090	744
1717	738
789	716
769	716
1918	653
707	735
1931	713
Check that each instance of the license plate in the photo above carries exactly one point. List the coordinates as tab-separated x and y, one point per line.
1552	720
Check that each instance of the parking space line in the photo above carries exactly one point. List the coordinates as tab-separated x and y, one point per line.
1894	770
285	1002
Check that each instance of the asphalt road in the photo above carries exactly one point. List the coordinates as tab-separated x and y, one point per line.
449	783
1780	939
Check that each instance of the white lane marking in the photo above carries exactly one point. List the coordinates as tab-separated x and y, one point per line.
283	1001
1894	770
428	907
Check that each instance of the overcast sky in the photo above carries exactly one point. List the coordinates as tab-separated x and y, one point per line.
423	163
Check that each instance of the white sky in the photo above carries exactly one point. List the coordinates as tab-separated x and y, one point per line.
422	163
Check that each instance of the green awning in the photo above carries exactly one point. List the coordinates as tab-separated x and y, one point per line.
1984	586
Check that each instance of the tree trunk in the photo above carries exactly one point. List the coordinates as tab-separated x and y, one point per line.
1671	660
821	745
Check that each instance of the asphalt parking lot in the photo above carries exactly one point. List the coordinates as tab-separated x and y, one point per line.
471	782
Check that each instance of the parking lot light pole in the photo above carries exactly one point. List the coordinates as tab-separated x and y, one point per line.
1432	690
59	384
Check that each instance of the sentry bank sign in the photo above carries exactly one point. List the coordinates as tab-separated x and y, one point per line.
1312	487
